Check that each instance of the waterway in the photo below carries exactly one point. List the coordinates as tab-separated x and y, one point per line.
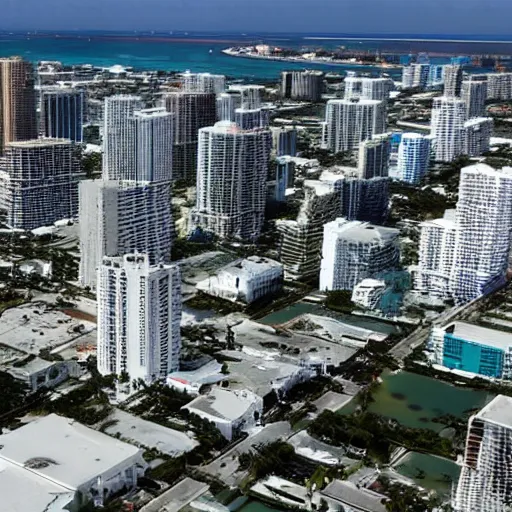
429	471
300	308
415	400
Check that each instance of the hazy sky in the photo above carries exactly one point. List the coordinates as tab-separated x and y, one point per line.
313	16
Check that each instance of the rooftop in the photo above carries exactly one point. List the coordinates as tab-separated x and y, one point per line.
498	411
64	451
357	231
36	143
360	499
177	497
250	266
224	404
481	335
477	120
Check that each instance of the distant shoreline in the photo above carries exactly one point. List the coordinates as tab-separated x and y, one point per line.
406	40
298	60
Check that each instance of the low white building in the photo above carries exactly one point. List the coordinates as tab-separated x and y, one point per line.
245	280
55	464
230	411
368	293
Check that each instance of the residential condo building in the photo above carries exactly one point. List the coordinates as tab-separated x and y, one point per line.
17	101
302	85
499	86
203	83
374	157
62	114
485	481
413	157
448	118
232	171
474	95
477	136
139	315
39	182
452	80
359	87
350	122
121	217
353	251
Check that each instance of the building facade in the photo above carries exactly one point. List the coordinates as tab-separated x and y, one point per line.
436	253
232	171
17	101
192	111
205	83
499	86
353	251
348	123
374	157
474	95
477	136
40	182
452	80
118	135
483	227
120	217
448	118
62	114
413	157
485	481
302	85
139	315
284	141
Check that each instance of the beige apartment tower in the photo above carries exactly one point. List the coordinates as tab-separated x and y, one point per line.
17	101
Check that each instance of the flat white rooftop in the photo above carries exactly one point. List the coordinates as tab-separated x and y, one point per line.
253	265
64	451
481	335
498	411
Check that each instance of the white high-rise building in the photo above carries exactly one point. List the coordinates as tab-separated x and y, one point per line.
483	225
407	77
452	80
499	86
39	182
421	72
153	145
251	119
284	140
302	85
348	123
250	95
139	315
118	136
448	118
227	103
361	87
477	136
436	253
203	83
353	251
474	94
120	217
231	180
374	157
413	157
485	483
191	111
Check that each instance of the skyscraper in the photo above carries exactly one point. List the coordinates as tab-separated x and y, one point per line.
40	182
374	157
250	119
452	80
499	86
62	114
436	253
485	481
413	157
359	87
284	141
152	145
231	180
448	118
302	85
121	217
474	95
17	101
139	314
477	136
203	83
407	77
118	136
227	103
192	111
483	225
421	73
348	123
353	251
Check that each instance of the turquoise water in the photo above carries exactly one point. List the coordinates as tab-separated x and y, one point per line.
414	400
438	474
153	54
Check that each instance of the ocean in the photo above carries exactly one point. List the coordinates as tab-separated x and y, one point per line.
203	52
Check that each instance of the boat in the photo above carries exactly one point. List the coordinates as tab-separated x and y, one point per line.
211	51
